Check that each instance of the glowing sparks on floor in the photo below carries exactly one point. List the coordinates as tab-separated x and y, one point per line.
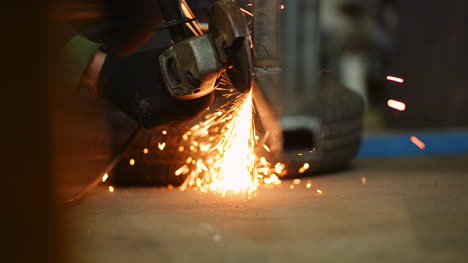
418	142
395	79
225	161
111	189
397	105
319	191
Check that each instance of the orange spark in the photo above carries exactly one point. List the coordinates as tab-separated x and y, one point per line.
418	142
280	168
104	177
132	162
304	168
397	105
291	187
273	179
309	184
395	79
161	146
364	180
182	170
111	189
145	151
246	12
319	191
297	181
164	132
266	148
282	7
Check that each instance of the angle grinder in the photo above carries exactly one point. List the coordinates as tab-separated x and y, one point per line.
174	83
191	68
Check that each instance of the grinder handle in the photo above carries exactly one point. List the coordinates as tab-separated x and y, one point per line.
174	19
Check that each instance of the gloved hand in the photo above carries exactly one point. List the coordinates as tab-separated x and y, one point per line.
134	84
122	26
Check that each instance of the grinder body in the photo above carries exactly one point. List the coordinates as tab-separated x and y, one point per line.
192	66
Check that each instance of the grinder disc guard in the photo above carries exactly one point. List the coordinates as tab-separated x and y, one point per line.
229	30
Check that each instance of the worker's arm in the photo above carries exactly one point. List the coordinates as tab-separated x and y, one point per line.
121	25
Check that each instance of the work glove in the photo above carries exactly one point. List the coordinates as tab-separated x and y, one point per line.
134	84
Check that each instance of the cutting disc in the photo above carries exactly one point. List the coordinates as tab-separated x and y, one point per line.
229	30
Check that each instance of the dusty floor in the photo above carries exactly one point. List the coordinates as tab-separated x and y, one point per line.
409	210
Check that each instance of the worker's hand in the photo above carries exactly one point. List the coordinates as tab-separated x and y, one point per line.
121	25
134	84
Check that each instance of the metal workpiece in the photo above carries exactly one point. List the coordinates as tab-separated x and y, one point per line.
267	121
267	67
269	80
267	33
286	63
301	45
286	52
267	49
190	68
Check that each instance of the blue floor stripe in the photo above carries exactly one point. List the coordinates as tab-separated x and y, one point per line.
395	145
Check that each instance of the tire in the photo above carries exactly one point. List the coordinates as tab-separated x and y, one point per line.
339	138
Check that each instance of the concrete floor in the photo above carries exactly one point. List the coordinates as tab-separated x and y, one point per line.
409	210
